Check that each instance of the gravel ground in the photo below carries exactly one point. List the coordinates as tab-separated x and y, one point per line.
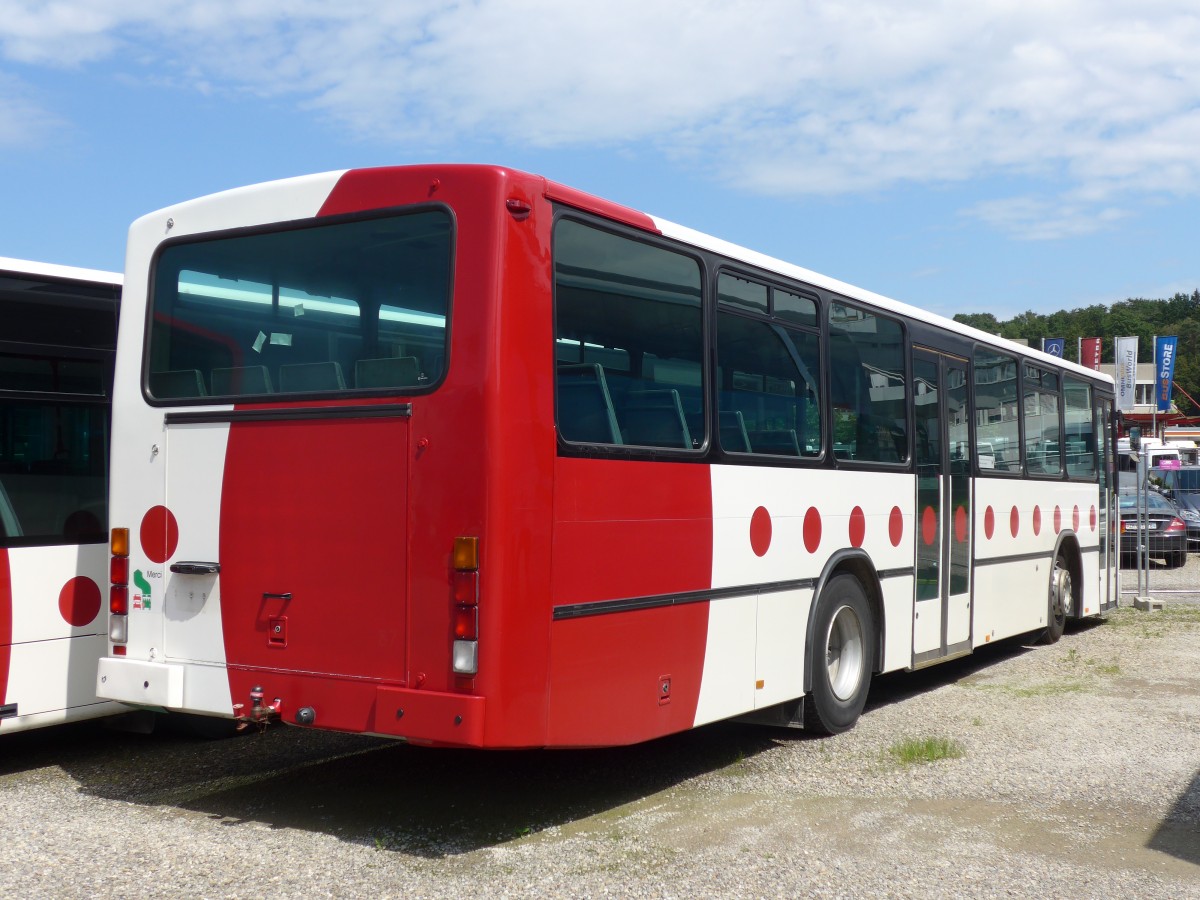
1079	777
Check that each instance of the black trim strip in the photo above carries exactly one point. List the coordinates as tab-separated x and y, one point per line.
1016	557
290	413
603	607
896	573
1027	557
9	711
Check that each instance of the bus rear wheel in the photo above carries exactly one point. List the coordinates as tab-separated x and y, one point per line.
842	657
1060	599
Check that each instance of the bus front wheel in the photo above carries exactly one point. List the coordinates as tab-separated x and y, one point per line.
842	657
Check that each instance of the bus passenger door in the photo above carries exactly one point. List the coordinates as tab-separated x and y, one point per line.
942	607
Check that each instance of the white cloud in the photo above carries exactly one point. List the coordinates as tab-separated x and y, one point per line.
22	120
1100	99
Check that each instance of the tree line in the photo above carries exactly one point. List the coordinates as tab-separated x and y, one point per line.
1179	315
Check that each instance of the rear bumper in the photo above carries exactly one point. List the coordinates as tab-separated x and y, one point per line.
360	706
430	716
338	704
181	687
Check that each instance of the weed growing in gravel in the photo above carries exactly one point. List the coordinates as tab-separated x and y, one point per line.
921	750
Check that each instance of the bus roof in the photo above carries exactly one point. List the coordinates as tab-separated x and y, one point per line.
10	266
555	191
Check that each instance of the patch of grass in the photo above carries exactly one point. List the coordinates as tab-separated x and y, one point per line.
1050	689
923	750
1155	624
1103	668
1047	689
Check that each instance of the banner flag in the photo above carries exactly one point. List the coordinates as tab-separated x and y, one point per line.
1164	370
1089	352
1054	346
1126	371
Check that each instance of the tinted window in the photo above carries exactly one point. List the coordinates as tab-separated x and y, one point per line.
997	422
1043	445
349	306
629	343
867	386
1077	421
769	391
53	471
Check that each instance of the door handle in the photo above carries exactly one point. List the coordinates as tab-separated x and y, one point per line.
196	568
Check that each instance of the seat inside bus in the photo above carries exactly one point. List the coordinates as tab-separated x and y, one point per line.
317	376
241	380
394	371
655	418
585	409
177	383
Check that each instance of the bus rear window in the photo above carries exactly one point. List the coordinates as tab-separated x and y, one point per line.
330	308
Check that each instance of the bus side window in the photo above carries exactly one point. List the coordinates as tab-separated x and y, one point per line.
769	397
868	388
633	307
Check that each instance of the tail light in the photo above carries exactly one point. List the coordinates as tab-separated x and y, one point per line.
465	603
1177	525
118	590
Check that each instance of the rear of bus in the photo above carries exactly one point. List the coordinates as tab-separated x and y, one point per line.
323	479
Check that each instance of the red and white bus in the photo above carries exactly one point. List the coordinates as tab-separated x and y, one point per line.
58	332
463	456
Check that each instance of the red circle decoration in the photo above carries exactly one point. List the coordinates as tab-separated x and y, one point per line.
79	601
989	522
1057	519
858	527
960	524
1014	521
760	531
896	526
928	525
159	534
812	530
1092	517
1037	520
1075	518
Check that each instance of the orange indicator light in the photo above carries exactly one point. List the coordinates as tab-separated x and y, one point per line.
466	554
119	542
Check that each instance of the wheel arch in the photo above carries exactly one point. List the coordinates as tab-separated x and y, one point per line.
858	564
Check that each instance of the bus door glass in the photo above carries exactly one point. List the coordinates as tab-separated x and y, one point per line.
942	611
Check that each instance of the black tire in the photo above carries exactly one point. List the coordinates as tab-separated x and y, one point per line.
843	657
1177	560
1060	596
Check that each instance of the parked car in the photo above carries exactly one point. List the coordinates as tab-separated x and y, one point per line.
1182	485
1166	532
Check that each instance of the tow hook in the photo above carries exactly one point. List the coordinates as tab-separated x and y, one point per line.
260	714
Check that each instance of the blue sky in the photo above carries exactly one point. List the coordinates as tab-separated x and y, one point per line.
992	156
